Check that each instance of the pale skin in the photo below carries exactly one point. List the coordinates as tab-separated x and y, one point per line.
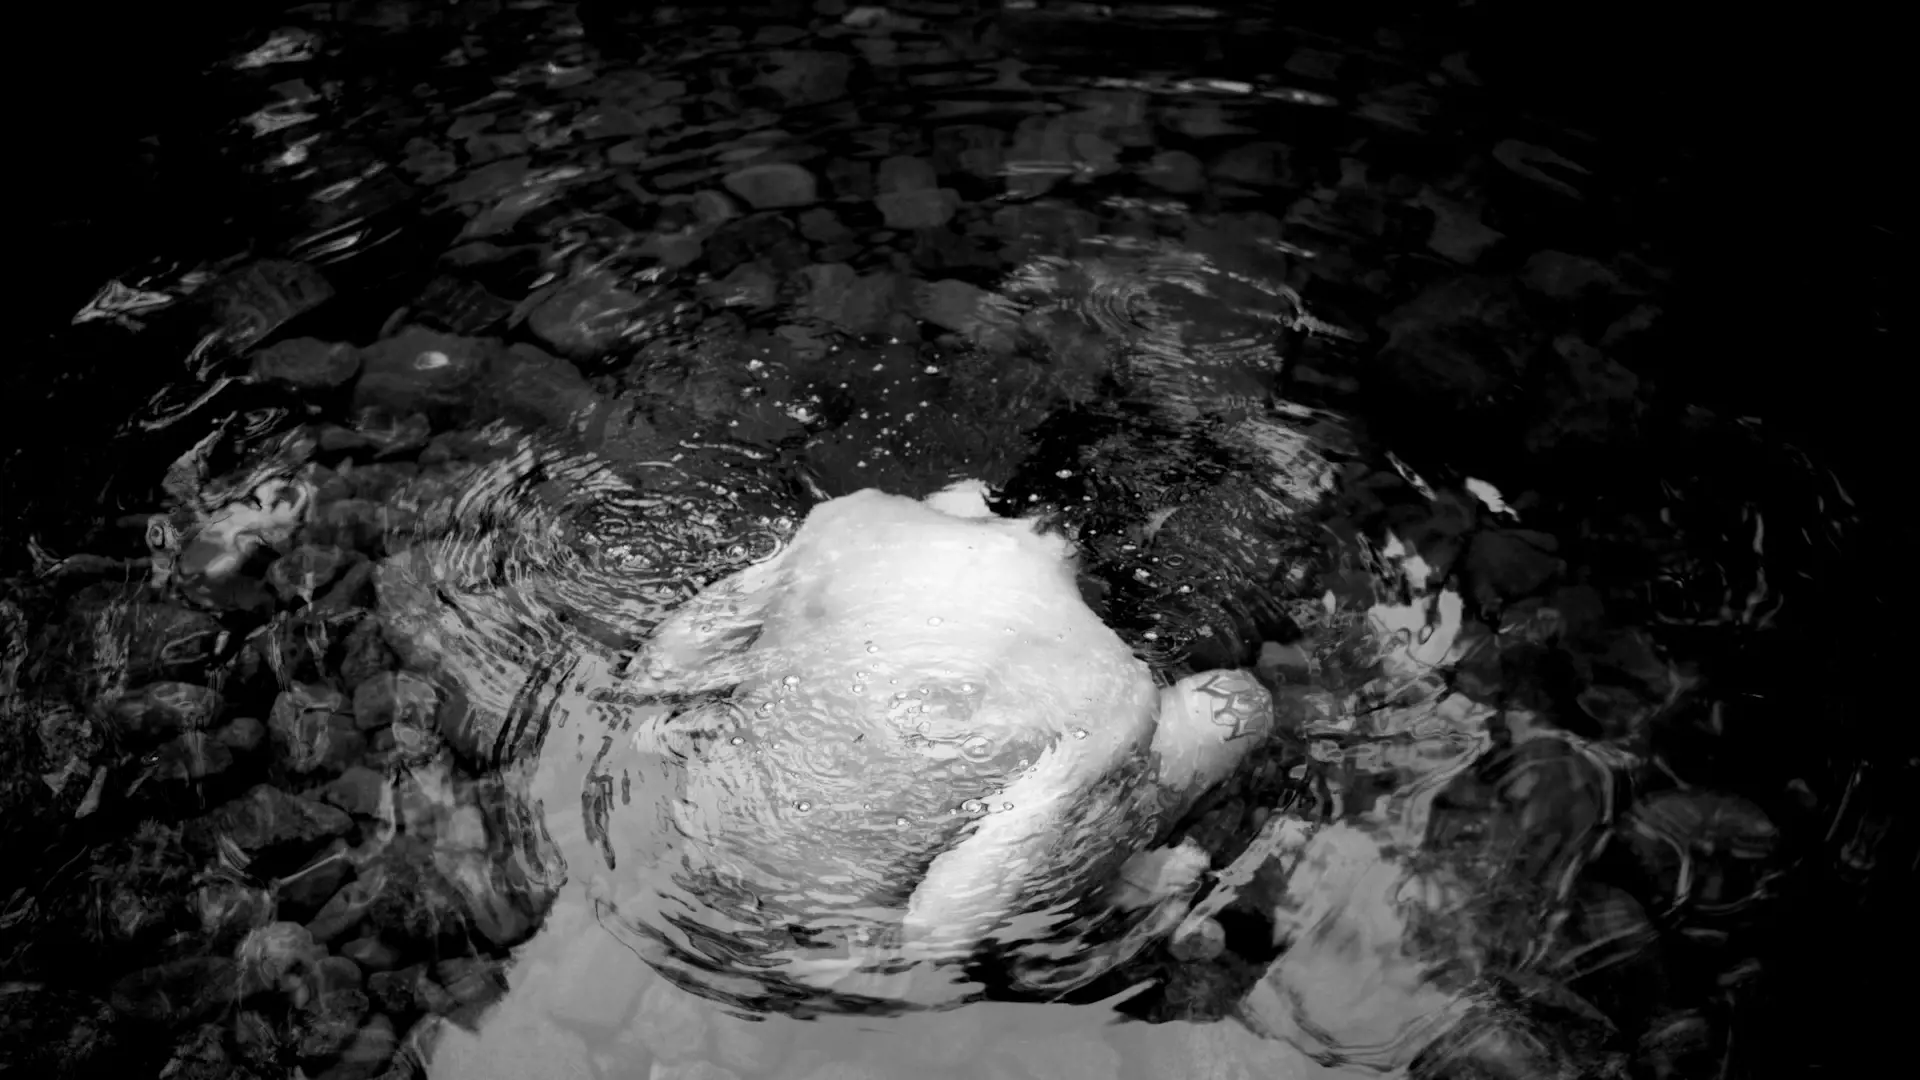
898	591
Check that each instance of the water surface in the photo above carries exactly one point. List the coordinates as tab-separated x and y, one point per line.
503	328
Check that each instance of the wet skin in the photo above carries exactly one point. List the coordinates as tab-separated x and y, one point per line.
909	728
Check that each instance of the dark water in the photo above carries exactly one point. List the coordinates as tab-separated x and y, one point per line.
1514	398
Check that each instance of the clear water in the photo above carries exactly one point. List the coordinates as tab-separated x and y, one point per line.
506	329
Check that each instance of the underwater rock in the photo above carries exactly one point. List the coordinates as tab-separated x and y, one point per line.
773	185
472	980
400	892
420	370
330	1021
191	757
909	197
1176	171
267	819
313	728
202	1055
163	709
307	363
359	791
247	304
335	973
371	953
459	306
408	990
1508	564
182	991
305	571
310	886
383	429
545	392
164	641
363	651
242	734
346	908
1564	276
586	316
949	303
395	697
805	77
372	1046
229	911
498	912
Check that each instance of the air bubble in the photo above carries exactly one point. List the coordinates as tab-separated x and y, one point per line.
979	748
866	806
872	648
791	680
803	806
966	688
935	621
1006	806
1079	733
973	806
858	688
738	740
900	821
